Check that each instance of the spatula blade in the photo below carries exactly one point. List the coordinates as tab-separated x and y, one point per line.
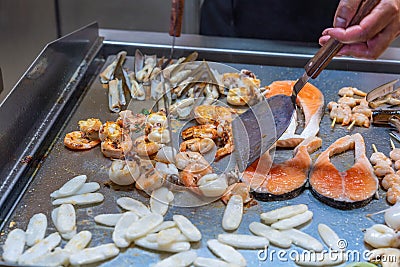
257	129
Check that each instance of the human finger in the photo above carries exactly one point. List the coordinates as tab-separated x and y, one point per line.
345	12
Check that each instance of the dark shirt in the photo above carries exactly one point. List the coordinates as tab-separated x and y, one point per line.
289	20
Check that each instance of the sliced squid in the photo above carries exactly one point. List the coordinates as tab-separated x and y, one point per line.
187	228
44	246
78	242
86	188
58	257
94	254
173	247
36	229
233	213
164	225
108	219
14	246
329	236
225	252
210	262
303	240
70	187
181	259
84	199
134	205
160	199
167	237
283	213
121	228
143	226
294	221
64	219
274	236
243	241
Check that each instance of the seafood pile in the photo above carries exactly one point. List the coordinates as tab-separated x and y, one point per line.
349	109
389	176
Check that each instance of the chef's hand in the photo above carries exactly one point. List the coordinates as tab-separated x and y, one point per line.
372	36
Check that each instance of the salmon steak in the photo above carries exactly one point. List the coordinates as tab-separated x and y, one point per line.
348	189
277	181
310	100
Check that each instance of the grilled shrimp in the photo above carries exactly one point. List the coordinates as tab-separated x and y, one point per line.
393	194
202	145
360	119
200	131
193	172
379	156
130	121
239	96
144	147
78	141
183	159
351	102
205	114
91	128
155	121
111	131
350	91
389	180
240	189
224	131
118	148
340	112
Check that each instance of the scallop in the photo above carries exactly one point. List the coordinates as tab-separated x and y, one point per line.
124	172
212	185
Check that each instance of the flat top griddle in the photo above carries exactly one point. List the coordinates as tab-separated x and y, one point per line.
61	164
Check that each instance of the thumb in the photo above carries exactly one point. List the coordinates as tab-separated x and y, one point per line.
345	12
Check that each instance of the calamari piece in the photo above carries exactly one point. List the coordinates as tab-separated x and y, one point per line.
44	246
84	199
121	228
64	219
160	199
329	236
88	188
180	259
134	205
164	225
174	247
243	241
14	246
294	221
225	252
320	259
108	219
36	229
187	228
78	242
274	236
282	213
233	213
166	237
143	226
303	240
59	257
70	187
210	262
213	185
94	254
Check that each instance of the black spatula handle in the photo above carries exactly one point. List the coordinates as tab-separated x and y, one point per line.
330	49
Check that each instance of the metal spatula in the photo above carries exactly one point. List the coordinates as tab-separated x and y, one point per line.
254	131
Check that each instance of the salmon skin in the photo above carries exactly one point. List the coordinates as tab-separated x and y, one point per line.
278	181
349	189
310	100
